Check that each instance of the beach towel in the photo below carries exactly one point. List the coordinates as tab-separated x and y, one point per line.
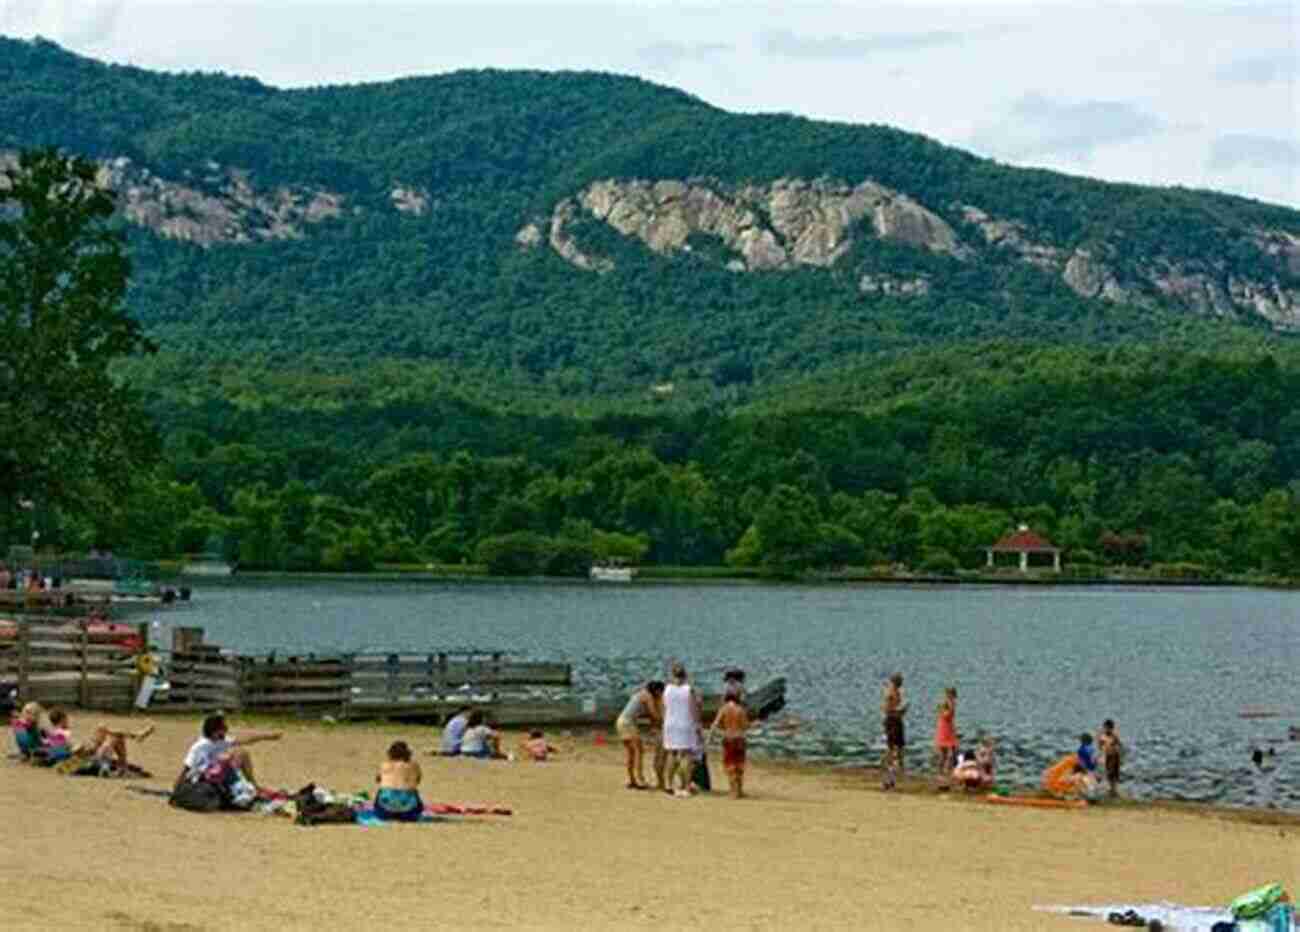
1173	915
467	809
368	818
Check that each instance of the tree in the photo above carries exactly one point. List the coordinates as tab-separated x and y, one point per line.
68	429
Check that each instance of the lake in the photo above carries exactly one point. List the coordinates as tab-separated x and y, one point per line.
1034	666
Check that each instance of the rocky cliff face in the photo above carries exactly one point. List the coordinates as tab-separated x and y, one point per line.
223	205
1205	288
794	222
769	227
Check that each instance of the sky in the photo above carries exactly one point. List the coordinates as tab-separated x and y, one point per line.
1194	93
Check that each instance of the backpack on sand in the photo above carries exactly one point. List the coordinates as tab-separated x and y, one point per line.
198	796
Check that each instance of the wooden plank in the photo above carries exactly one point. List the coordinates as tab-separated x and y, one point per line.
24	660
208	669
253	700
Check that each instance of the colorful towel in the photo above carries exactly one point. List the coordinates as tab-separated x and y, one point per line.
1174	916
366	818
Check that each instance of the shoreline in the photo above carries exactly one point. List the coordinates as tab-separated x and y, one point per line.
651	576
828	850
861	777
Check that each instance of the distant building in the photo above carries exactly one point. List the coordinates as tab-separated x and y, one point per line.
1026	544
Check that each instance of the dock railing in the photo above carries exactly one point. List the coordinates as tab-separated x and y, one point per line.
203	677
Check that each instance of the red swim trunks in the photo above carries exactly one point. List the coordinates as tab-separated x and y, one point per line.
733	753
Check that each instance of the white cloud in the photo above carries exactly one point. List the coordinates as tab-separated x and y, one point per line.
1238	149
792	45
1036	125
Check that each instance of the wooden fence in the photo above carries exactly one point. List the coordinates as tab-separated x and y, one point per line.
203	677
57	661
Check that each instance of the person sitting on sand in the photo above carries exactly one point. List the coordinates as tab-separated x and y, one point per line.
26	726
1086	756
480	740
104	752
628	726
977	770
218	747
733	719
454	733
398	796
536	747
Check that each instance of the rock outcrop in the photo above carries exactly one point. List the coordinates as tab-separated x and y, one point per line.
894	286
227	208
410	200
1202	288
788	223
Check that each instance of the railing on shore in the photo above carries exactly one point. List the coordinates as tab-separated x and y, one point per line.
61	661
204	677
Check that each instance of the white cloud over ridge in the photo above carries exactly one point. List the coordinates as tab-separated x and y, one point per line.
1036	125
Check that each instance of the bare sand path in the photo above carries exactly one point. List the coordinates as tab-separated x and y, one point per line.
812	849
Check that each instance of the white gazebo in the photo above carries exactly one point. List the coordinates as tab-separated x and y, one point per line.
1025	543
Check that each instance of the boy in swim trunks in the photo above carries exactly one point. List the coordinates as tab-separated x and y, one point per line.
398	797
1112	753
893	706
733	719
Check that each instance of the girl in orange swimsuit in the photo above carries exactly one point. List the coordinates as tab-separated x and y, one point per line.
945	737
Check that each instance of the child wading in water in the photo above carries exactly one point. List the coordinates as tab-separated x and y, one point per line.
398	798
892	709
1112	753
733	719
945	738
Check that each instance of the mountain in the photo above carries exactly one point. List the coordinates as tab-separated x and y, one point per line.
593	236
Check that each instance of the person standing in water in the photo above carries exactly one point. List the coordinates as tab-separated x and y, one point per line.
1112	754
945	738
893	706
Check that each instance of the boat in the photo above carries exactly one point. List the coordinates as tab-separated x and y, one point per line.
611	571
207	567
110	632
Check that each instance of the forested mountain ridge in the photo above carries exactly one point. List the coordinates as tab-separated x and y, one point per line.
529	320
594	235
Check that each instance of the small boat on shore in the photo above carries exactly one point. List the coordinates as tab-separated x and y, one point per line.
611	571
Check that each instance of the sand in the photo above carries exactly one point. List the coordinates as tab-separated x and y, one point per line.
811	849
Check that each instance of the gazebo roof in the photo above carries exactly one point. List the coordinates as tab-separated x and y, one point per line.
1024	540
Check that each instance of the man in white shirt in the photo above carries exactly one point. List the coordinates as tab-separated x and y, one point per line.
216	746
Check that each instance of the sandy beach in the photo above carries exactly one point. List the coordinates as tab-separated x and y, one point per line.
812	849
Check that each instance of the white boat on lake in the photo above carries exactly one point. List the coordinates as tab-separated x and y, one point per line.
611	572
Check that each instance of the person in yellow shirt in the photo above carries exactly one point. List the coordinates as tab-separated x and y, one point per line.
146	670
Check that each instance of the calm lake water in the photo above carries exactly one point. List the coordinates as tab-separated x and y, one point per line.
1034	666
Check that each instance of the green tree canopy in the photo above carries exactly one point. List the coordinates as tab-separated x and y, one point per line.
69	433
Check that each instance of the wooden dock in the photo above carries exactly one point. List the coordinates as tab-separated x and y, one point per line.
54	660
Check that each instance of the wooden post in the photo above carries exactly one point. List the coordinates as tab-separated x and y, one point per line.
24	660
83	691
